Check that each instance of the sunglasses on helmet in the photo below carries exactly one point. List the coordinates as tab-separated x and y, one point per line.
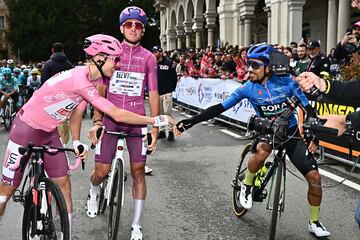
254	65
137	25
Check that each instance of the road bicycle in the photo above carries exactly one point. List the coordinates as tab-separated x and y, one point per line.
275	172
9	113
45	213
112	189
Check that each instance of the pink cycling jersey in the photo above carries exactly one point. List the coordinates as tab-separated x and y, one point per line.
138	69
59	96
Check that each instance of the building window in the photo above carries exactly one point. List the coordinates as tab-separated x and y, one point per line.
2	24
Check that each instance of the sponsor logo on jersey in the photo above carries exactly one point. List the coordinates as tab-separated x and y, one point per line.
274	109
163	67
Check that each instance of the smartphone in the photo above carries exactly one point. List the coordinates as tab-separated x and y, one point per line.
348	31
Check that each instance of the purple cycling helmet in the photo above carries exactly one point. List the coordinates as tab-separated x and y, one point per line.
133	12
101	43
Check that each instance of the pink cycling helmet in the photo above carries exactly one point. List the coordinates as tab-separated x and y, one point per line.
133	12
101	43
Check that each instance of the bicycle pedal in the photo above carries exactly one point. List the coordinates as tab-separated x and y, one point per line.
234	183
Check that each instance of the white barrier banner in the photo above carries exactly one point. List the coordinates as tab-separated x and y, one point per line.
205	92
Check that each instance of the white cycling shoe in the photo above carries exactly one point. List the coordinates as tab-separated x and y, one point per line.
136	233
318	229
246	196
92	205
148	170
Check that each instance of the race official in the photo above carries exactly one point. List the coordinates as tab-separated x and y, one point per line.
318	61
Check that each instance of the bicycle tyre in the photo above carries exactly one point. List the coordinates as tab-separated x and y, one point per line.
102	200
115	201
7	118
53	190
239	210
275	209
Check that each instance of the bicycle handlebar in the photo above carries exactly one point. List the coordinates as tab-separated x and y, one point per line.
44	148
317	126
122	134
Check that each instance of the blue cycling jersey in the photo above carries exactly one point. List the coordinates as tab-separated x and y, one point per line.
269	98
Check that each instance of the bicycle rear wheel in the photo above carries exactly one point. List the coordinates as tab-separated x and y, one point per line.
276	209
51	224
7	117
116	200
239	176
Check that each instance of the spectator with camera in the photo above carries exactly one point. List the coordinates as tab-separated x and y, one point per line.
349	44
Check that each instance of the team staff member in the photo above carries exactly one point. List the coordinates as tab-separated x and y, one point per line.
266	92
167	80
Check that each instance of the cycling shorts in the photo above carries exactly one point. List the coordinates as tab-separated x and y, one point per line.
55	165
296	149
107	146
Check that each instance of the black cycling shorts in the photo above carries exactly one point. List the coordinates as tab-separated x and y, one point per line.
296	150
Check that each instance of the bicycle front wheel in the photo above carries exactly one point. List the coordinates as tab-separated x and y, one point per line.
49	220
102	199
239	176
116	200
276	209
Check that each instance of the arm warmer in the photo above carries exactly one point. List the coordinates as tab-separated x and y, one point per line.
209	113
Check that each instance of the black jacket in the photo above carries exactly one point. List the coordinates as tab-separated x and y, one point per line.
318	64
348	91
55	64
167	77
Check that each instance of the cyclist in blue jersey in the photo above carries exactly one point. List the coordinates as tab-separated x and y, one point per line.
268	94
8	88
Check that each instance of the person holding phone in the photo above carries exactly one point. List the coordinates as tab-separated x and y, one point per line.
349	44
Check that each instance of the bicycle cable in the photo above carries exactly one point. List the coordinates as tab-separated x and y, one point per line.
300	178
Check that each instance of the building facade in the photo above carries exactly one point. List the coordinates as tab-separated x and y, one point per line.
197	23
5	52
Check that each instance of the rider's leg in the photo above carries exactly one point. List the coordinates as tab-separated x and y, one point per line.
138	190
99	174
256	161
306	164
314	194
6	191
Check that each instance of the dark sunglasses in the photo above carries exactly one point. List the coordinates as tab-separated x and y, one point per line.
137	25
114	59
254	65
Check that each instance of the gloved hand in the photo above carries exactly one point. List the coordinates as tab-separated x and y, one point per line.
162	121
184	124
84	153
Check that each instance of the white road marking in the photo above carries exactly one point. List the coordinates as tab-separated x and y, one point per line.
230	133
339	179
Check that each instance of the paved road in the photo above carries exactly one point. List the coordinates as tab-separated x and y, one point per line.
189	197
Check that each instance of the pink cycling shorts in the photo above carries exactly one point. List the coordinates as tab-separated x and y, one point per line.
21	134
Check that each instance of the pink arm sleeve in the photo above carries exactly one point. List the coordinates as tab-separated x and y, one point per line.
91	95
82	106
152	80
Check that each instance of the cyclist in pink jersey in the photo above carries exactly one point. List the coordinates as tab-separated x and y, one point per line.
125	89
65	96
